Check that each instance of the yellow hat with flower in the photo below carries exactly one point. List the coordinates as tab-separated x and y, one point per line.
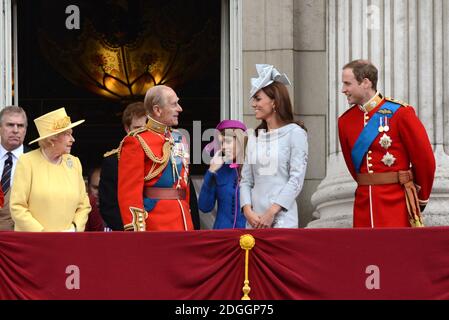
53	123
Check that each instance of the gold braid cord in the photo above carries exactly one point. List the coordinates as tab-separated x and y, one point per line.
247	242
411	198
163	161
138	223
130	134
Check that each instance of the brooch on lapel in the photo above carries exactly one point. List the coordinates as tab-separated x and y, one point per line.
69	163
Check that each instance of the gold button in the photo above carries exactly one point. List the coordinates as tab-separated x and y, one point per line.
370	152
370	171
369	158
370	165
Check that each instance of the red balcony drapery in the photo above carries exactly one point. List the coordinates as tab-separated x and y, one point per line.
284	264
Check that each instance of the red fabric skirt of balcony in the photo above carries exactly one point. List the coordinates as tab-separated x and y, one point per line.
284	264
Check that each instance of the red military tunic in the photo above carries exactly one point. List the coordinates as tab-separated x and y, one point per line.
135	164
404	146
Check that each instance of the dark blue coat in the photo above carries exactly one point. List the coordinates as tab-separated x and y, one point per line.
222	187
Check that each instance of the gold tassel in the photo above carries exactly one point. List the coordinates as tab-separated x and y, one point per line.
411	198
247	242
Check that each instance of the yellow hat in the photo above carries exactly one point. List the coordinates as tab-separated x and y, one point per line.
53	123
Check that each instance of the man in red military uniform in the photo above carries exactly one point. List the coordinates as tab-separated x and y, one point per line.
153	190
387	151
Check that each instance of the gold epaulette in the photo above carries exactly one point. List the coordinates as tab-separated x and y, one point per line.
134	132
402	103
113	151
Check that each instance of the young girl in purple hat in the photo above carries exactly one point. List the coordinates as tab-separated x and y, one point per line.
221	181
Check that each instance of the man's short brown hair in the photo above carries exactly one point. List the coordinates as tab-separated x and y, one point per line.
363	69
133	110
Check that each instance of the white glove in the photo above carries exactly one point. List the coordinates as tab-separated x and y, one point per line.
71	229
216	162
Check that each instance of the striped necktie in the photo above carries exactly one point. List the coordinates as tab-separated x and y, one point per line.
6	175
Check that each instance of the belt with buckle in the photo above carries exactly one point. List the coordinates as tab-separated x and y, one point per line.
164	193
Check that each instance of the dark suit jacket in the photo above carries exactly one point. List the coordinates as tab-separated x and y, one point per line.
107	192
109	208
194	207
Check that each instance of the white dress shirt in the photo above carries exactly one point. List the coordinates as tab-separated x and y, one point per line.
16	153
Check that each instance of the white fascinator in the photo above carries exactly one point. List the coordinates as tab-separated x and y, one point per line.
267	75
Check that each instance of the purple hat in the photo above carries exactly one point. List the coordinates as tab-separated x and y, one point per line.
225	124
231	124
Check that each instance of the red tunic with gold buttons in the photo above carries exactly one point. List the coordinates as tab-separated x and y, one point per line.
139	158
404	146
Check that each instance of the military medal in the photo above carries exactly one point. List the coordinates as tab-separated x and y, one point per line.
388	159
385	141
386	127
381	128
383	124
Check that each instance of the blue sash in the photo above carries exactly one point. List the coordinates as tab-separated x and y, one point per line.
166	179
370	132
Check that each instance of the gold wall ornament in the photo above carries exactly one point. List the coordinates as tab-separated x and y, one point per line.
247	242
125	70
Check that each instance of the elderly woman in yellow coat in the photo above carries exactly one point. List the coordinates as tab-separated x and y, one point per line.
49	193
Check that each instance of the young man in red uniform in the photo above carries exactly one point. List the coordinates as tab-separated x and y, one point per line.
153	190
387	151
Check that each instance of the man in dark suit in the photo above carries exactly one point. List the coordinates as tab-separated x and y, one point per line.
13	128
134	117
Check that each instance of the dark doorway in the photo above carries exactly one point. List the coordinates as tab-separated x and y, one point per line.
60	67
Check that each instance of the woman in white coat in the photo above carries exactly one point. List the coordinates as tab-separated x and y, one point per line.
276	161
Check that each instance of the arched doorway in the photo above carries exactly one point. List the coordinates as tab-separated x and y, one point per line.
121	48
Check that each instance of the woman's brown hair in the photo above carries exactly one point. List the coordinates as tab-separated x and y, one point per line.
279	93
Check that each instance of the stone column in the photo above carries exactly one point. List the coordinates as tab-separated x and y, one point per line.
408	40
5	53
267	38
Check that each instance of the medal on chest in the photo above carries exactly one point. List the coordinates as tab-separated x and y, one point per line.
383	124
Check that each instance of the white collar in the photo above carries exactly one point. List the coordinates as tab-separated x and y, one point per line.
16	152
